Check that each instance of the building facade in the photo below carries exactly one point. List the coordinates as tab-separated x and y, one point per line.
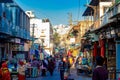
107	33
14	31
42	32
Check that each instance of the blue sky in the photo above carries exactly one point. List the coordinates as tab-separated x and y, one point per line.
56	10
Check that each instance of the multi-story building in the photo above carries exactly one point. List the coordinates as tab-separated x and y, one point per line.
62	31
14	31
75	35
107	31
42	32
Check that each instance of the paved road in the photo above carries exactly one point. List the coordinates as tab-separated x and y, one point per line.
56	76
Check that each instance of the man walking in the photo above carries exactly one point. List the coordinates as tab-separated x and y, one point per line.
61	68
100	73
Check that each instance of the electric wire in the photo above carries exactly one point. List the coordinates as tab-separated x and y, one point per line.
78	10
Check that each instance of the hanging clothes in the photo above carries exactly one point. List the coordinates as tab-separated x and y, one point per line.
102	47
95	49
69	53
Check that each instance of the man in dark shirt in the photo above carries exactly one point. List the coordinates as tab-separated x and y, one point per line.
61	67
100	73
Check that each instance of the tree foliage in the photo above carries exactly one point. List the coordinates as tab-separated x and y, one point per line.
56	38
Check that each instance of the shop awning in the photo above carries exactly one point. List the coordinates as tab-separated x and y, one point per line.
105	26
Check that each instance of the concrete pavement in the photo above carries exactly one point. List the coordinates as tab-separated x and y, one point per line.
56	76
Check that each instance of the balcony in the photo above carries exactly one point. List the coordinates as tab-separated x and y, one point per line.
16	31
25	34
5	27
115	10
28	35
22	33
110	14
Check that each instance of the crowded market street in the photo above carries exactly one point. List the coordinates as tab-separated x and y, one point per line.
56	76
59	39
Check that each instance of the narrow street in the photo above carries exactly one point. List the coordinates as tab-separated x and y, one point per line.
56	76
37	34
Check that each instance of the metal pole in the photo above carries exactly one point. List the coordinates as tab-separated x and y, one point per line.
33	27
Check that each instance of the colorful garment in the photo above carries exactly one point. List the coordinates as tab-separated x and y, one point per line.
5	72
21	71
0	74
95	49
102	45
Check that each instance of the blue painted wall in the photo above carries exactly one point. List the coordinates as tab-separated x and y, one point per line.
118	58
14	21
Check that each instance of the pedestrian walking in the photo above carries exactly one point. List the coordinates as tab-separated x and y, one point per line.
67	65
5	72
61	68
44	68
21	71
51	66
36	68
100	73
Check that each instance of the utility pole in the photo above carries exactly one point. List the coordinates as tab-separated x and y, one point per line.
70	19
33	28
71	24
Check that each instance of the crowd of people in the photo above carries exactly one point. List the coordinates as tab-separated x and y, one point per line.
34	68
23	68
41	67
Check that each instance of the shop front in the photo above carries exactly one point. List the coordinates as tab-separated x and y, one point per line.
106	47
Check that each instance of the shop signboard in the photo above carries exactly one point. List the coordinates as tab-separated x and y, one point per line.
72	40
15	40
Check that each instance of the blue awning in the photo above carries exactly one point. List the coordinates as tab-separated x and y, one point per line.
89	11
6	1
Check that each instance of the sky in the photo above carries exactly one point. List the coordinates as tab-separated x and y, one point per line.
57	11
